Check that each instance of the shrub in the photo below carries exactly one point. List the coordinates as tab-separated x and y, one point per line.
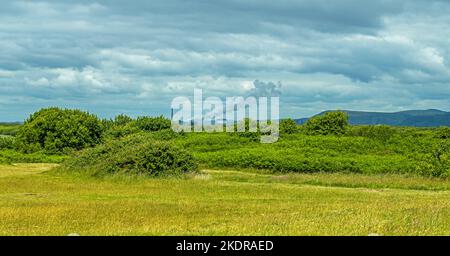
122	120
288	126
440	159
9	129
57	130
119	131
377	132
139	154
329	123
7	142
443	133
13	156
123	126
152	124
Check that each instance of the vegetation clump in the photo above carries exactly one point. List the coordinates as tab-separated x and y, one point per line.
153	124
376	132
9	129
330	123
443	133
288	126
7	142
138	154
123	125
56	130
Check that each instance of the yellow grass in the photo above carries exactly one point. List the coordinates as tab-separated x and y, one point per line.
33	202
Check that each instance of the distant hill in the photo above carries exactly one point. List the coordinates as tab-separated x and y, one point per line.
419	118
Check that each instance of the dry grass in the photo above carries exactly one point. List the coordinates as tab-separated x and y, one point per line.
24	169
216	203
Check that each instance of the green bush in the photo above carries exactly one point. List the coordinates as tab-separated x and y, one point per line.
122	119
152	124
443	133
9	129
7	142
119	131
58	130
288	126
440	159
335	123
377	132
12	156
419	155
138	154
123	126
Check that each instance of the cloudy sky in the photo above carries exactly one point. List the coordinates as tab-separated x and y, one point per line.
133	57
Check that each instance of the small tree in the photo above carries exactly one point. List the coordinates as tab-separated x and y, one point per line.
288	126
335	122
56	130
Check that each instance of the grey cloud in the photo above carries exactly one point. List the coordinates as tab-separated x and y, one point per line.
265	89
393	54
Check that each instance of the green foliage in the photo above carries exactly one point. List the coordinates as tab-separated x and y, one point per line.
9	129
123	125
377	132
147	146
443	133
139	154
12	156
58	130
7	142
335	123
440	159
401	154
122	119
288	126
152	124
119	131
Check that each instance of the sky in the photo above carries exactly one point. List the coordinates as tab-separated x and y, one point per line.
133	57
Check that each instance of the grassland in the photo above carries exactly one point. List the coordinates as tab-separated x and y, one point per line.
36	201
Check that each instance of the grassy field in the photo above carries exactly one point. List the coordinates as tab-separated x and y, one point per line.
34	201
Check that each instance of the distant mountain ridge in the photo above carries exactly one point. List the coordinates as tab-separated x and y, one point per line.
418	118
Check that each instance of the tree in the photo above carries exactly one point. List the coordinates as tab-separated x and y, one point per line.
56	130
288	126
335	122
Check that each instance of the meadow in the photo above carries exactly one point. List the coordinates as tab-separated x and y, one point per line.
66	171
37	201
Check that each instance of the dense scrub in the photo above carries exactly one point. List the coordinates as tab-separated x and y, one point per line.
9	129
123	125
369	150
335	123
148	146
13	156
57	130
416	153
139	154
7	142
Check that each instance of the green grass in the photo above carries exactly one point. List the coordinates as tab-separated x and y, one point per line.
221	202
